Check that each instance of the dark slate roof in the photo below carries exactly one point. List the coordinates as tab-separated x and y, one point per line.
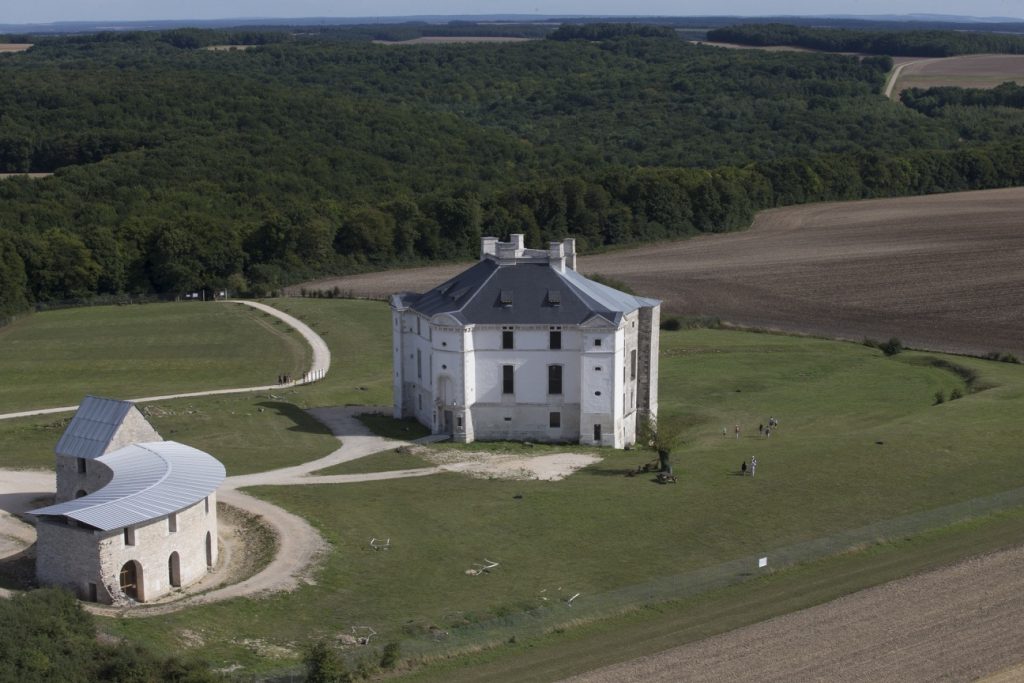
480	294
92	427
150	480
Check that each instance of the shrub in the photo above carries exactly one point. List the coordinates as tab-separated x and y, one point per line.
389	658
1001	357
939	397
323	665
891	347
671	324
955	394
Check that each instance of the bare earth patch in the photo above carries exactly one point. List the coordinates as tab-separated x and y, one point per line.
939	271
958	623
552	467
966	71
442	40
14	47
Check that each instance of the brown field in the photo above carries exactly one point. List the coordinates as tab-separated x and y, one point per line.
14	47
952	624
227	48
941	272
966	71
438	40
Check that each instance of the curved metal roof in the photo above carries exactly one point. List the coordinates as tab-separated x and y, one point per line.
150	480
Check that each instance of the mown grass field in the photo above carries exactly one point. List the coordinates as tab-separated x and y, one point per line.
212	346
54	358
860	442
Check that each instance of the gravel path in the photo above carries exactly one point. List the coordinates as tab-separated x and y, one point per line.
958	623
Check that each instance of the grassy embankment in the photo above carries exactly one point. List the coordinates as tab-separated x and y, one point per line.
120	352
860	443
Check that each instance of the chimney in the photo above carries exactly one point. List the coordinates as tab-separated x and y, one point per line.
569	248
556	256
488	247
518	242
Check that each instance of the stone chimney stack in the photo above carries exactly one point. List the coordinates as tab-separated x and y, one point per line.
556	256
569	249
488	247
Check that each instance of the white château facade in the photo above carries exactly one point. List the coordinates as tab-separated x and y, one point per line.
522	347
135	517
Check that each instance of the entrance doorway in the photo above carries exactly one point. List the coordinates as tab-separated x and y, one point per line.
447	427
597	433
174	570
131	581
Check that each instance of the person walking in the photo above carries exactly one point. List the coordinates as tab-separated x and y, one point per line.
743	469
753	466
737	431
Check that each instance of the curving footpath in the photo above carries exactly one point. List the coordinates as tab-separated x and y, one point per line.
318	368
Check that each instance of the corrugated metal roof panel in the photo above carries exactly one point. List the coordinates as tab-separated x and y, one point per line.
150	480
92	427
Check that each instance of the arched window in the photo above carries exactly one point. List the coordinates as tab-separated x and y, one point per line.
209	549
79	493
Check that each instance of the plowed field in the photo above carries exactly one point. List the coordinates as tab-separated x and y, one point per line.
943	272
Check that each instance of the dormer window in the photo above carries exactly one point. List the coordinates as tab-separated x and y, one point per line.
554	297
506	297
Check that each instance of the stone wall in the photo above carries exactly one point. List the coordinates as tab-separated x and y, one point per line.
74	556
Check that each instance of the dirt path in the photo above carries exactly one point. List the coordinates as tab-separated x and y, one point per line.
958	623
318	368
897	71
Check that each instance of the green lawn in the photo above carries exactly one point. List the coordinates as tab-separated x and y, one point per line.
54	358
859	444
385	461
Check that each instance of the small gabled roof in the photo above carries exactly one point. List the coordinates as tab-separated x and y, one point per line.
493	293
93	427
149	480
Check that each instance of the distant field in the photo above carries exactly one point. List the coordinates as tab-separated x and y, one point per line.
14	47
940	271
442	40
966	71
24	175
54	358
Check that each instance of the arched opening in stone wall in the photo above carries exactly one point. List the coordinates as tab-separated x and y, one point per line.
174	569
209	549
79	493
131	581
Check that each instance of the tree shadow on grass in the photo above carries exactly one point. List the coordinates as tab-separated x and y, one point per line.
303	421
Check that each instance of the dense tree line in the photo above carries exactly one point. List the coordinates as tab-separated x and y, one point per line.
46	636
177	168
931	101
921	43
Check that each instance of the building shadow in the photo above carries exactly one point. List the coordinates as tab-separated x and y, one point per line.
301	420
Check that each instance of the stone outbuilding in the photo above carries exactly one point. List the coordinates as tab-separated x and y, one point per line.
135	516
522	347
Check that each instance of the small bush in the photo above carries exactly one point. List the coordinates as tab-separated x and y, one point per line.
389	658
955	394
939	397
671	324
1001	357
891	347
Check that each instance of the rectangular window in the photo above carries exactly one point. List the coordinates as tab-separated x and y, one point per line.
554	420
597	342
554	379
418	326
632	364
419	400
419	364
554	339
81	465
458	422
506	339
206	503
597	433
129	536
507	381
172	522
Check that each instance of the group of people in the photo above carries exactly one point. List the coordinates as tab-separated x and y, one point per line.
764	431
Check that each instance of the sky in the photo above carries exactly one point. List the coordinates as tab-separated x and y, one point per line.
47	11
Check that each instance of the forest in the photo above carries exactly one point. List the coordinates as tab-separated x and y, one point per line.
894	43
178	168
